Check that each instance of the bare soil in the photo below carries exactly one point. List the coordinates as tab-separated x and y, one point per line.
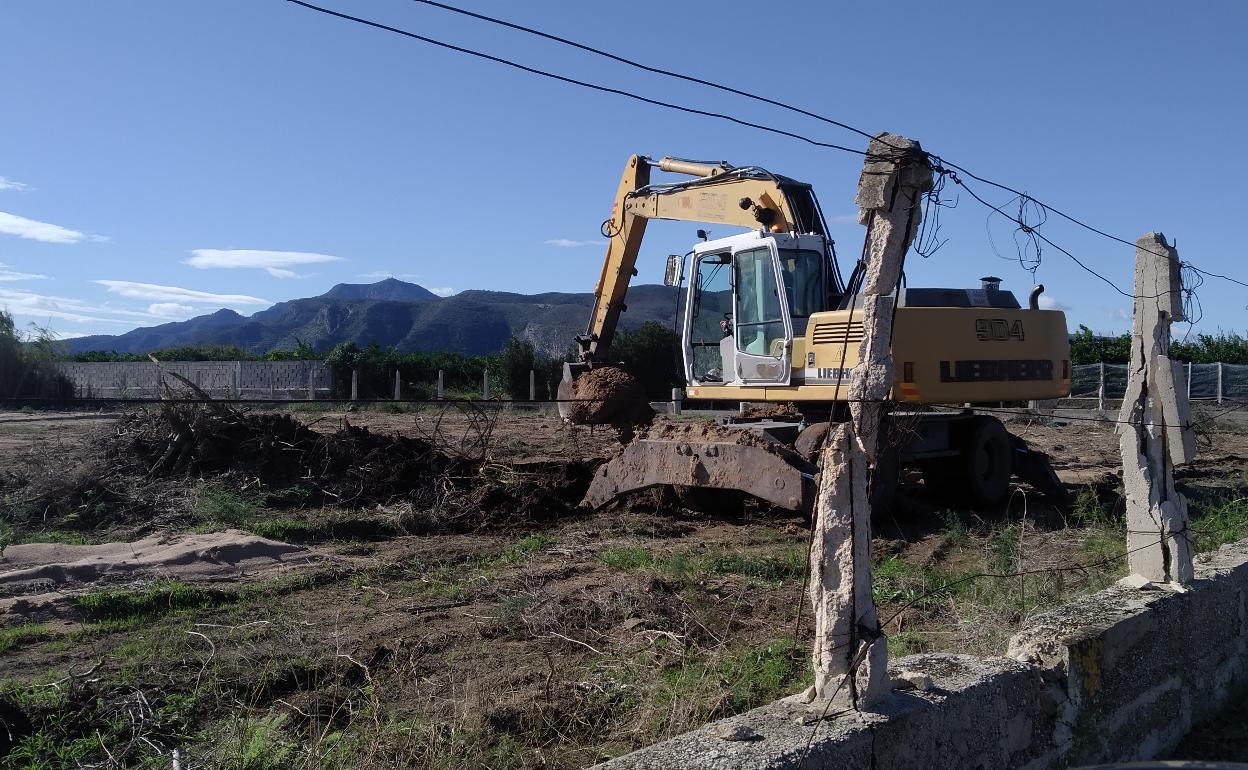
389	639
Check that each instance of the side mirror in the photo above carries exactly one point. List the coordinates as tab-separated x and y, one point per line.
675	270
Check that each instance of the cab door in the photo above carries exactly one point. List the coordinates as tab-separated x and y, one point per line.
762	326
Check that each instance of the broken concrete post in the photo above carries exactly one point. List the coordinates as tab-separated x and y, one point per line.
1154	432
850	654
1100	390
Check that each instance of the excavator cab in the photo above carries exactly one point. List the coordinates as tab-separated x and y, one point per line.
749	295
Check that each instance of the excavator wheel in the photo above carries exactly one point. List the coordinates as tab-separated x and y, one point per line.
811	440
980	473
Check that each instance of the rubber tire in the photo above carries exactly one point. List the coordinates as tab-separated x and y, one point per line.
980	474
811	440
988	455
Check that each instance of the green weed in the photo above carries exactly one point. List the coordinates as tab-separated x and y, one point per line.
18	636
523	548
219	506
113	609
626	557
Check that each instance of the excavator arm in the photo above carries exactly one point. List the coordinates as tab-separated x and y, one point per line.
720	194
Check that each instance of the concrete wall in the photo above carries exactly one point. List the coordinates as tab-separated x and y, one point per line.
220	379
1120	675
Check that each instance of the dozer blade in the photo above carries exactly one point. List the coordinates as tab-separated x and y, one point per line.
780	478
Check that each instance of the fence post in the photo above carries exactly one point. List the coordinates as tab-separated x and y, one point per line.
440	391
532	385
355	384
850	650
1219	382
398	386
1100	390
238	379
485	385
311	384
1153	424
272	381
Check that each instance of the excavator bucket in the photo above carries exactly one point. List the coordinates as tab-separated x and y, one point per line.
706	457
602	395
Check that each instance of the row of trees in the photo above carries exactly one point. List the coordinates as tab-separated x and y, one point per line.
28	363
1228	348
650	353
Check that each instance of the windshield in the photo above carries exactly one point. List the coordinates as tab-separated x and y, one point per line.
803	282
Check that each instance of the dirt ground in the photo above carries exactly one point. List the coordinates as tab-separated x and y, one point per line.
493	637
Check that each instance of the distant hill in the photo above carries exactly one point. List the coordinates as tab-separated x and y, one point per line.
390	288
394	312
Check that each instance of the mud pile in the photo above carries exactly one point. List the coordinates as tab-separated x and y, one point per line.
608	395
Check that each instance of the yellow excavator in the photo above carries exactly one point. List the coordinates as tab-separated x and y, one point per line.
768	317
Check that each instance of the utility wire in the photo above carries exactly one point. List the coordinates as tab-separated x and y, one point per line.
576	82
936	160
775	103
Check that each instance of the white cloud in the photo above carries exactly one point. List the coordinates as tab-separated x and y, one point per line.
177	294
22	227
44	306
444	291
277	263
568	243
7	274
1049	303
67	335
12	184
170	310
378	275
1118	314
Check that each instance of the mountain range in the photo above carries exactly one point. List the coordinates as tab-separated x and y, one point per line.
398	313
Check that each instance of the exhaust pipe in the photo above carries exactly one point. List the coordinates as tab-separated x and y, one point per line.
1033	299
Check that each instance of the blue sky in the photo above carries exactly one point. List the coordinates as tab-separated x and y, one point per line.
160	160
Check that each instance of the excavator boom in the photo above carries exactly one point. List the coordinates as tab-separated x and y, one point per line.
719	194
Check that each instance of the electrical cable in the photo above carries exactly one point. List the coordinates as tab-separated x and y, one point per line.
574	81
1024	197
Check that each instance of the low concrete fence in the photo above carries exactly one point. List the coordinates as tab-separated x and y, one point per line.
219	379
1117	676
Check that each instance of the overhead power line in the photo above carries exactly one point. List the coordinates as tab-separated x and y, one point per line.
574	81
942	166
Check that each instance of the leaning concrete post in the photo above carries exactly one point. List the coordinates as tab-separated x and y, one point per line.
850	655
1154	432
